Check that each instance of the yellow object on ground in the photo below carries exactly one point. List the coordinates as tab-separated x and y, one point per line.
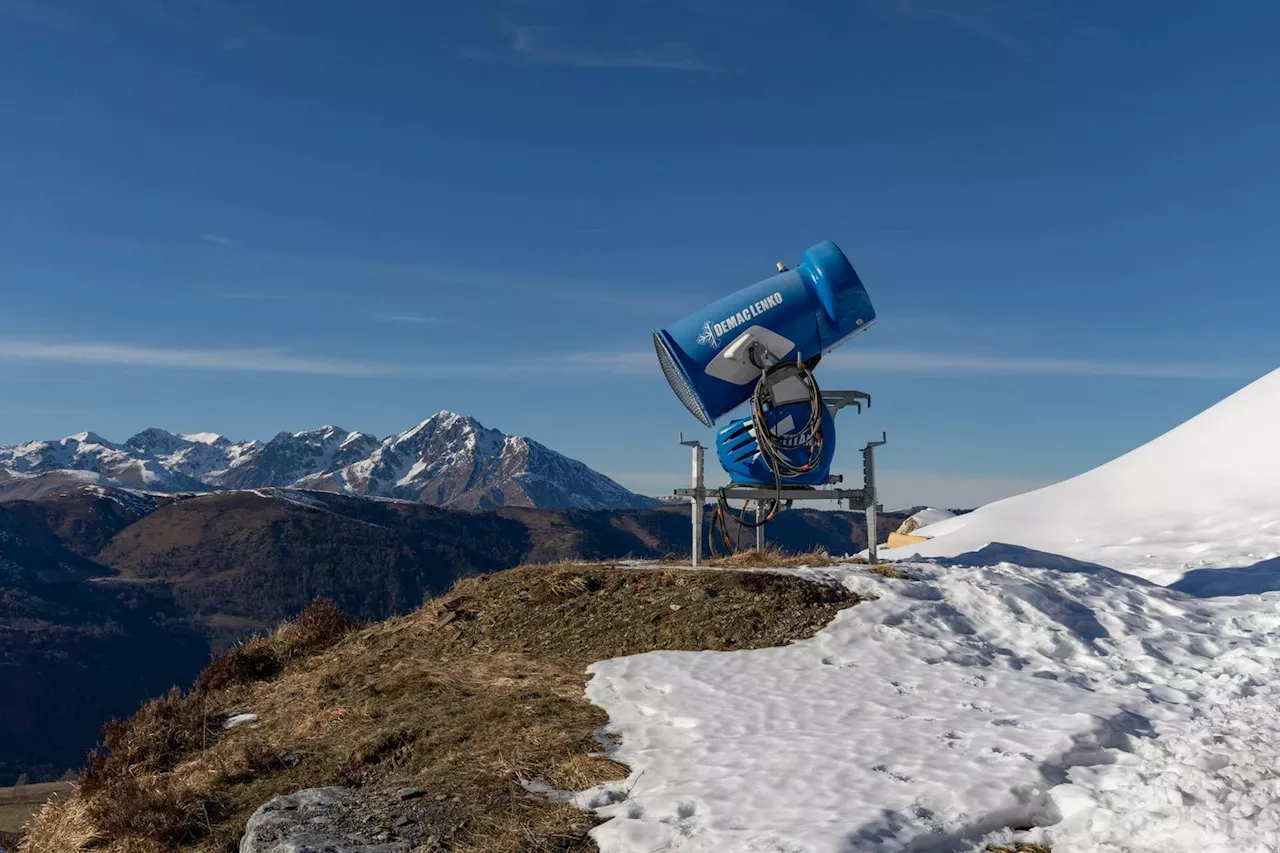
897	540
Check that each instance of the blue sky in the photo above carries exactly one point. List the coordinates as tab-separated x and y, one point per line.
255	216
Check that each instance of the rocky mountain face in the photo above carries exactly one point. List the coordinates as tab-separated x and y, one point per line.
290	457
154	460
447	460
453	461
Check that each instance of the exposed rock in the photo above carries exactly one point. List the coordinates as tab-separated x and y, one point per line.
343	820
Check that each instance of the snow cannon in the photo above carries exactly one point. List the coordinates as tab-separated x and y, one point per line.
714	357
762	344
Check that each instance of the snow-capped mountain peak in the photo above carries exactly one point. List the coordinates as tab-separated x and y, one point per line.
441	422
328	432
156	441
454	460
206	438
91	438
354	437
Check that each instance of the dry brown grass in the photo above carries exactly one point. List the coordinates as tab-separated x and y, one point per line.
20	803
316	628
1019	847
62	826
888	570
770	558
480	690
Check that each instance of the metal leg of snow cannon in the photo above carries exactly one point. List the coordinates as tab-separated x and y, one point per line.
864	499
698	495
759	526
872	499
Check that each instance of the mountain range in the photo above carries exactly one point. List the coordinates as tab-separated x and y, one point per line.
447	460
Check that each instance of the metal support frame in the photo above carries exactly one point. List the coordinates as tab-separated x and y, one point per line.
837	400
873	503
865	499
698	495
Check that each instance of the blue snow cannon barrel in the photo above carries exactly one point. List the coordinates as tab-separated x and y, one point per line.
807	311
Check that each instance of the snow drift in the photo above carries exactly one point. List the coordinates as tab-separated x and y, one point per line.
1205	495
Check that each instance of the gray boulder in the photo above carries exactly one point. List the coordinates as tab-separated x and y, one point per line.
337	820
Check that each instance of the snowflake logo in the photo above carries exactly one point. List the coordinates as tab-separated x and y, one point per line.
708	337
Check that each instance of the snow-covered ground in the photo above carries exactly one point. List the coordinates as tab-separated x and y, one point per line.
998	688
1203	495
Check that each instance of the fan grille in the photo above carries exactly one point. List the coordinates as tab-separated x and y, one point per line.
678	381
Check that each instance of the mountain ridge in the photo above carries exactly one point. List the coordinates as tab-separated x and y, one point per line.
446	460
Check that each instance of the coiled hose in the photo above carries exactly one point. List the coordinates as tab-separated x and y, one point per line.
774	448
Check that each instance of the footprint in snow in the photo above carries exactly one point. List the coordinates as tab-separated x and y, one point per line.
606	798
892	774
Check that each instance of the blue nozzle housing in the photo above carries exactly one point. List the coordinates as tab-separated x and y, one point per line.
805	311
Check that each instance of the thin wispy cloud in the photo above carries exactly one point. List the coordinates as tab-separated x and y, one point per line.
614	363
634	293
38	412
621	364
270	360
409	319
914	361
252	297
944	363
548	45
621	294
131	355
991	21
218	240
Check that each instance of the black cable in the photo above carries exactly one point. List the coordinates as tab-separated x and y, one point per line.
774	448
